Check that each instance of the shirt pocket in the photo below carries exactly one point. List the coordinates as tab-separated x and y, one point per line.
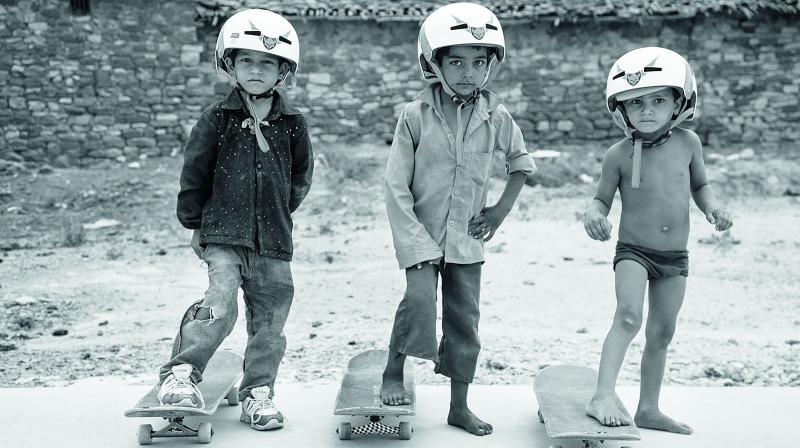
483	140
480	167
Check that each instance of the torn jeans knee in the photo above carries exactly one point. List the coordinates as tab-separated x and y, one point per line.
203	313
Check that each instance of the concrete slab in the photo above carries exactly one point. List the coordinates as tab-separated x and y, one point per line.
88	414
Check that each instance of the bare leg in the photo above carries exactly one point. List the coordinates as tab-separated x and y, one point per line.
413	331
460	415
665	300
393	392
630	283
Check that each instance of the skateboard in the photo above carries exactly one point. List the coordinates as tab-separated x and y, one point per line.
219	382
562	392
360	398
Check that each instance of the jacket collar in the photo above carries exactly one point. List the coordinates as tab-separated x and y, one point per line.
279	105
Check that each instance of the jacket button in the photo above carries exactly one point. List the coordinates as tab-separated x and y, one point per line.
258	166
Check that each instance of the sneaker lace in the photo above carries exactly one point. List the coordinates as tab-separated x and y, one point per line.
184	383
266	403
259	404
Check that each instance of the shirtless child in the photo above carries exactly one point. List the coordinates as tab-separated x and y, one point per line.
656	168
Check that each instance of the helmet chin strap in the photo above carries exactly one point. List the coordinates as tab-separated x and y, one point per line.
263	144
638	141
460	101
638	144
267	94
463	101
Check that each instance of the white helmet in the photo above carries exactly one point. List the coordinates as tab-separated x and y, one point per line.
459	24
646	70
259	30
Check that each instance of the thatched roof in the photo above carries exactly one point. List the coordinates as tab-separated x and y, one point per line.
211	11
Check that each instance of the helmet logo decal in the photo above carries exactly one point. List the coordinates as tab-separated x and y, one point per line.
478	32
633	78
269	42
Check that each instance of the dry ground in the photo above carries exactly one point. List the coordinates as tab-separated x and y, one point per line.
77	303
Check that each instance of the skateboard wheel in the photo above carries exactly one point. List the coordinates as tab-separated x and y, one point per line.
204	432
345	431
233	396
405	430
541	419
145	434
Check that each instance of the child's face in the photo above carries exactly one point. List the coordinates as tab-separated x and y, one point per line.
257	72
650	113
464	67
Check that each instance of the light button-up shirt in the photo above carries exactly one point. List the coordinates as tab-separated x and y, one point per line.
434	187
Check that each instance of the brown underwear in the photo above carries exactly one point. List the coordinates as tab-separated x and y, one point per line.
658	263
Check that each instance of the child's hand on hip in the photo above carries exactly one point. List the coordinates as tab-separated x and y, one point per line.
720	218
196	243
486	224
597	226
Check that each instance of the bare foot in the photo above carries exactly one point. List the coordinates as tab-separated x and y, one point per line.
464	418
608	410
393	393
657	420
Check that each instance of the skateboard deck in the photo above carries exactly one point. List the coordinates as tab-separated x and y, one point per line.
359	397
562	392
222	373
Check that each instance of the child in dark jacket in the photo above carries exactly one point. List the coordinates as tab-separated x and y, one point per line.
247	167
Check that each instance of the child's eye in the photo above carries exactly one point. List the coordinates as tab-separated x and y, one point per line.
659	100
480	63
635	102
455	63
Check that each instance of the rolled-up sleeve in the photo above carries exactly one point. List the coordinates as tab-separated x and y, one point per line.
412	242
511	142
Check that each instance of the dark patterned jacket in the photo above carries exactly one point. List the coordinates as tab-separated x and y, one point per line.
232	191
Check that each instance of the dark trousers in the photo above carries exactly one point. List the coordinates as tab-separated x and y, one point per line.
414	331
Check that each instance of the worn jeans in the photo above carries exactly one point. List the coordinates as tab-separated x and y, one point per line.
414	330
268	292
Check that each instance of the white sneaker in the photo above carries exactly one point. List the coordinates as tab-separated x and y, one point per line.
259	410
178	389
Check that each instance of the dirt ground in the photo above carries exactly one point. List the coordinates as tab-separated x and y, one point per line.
77	302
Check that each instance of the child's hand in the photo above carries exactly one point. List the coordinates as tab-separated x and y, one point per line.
597	226
720	218
196	243
485	225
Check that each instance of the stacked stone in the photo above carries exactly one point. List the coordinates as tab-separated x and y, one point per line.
130	79
116	84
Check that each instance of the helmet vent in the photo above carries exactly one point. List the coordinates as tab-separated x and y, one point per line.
489	26
652	69
253	33
460	26
80	6
619	75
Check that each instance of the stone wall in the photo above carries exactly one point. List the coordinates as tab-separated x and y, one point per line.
119	83
130	79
